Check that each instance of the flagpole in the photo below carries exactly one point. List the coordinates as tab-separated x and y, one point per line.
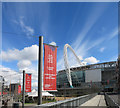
40	64
10	88
23	90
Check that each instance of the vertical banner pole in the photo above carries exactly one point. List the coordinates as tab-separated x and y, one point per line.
40	64
23	91
10	88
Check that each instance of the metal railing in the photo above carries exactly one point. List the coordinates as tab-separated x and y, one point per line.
110	102
73	102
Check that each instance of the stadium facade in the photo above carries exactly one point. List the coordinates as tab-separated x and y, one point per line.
88	78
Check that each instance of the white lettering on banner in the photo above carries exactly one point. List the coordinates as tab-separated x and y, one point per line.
49	77
47	85
50	58
50	68
50	74
28	77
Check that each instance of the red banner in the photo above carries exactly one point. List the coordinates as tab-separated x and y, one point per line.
50	55
5	93
108	81
28	82
19	89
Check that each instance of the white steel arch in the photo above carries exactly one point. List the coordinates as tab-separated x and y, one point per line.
67	67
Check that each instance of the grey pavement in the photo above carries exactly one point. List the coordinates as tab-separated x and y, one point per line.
115	98
98	101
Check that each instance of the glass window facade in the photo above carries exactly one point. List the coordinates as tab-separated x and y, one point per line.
77	78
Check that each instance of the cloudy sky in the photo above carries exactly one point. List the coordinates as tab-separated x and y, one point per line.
90	28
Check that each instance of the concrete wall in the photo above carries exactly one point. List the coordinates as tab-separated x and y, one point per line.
93	75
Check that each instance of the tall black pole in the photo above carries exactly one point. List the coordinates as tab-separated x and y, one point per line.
23	91
40	62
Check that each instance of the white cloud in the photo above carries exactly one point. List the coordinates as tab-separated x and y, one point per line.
92	44
10	75
35	84
24	58
113	33
23	64
34	73
9	55
102	49
53	43
28	53
114	58
91	60
26	29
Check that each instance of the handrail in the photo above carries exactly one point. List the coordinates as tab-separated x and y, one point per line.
68	102
110	102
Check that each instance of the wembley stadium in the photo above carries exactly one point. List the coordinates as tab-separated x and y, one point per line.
87	79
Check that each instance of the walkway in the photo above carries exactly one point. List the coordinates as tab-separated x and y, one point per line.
96	101
116	98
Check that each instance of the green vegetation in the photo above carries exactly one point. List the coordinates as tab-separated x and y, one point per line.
43	102
48	101
31	103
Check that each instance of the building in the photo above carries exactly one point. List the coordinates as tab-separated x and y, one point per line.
88	79
14	88
1	81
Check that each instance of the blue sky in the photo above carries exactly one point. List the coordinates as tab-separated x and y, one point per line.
90	28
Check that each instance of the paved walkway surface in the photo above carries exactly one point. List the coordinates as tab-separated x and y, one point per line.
98	101
115	98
